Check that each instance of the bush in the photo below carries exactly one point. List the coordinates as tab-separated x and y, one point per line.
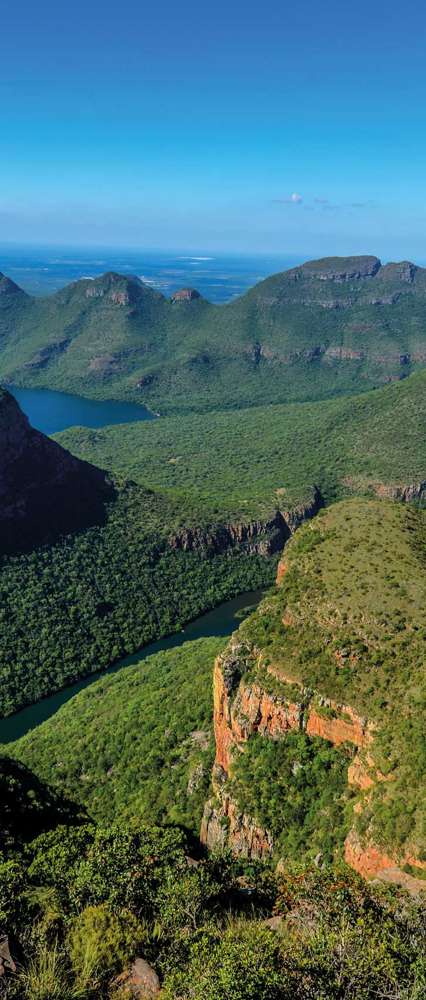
243	965
101	943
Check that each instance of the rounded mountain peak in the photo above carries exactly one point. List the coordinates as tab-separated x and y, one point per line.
111	287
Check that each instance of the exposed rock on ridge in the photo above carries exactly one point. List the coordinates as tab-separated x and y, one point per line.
260	537
340	270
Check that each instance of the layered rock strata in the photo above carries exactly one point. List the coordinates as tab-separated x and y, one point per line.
260	537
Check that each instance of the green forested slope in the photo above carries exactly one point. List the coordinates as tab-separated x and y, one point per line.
76	606
135	743
247	462
329	327
80	903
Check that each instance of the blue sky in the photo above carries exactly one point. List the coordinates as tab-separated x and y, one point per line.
193	125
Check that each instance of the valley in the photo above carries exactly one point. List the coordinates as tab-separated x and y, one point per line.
220	621
212	630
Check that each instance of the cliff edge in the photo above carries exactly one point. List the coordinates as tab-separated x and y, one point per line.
317	702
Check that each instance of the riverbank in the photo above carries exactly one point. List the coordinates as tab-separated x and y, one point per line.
220	621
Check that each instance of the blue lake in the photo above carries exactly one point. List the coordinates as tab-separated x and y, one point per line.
51	411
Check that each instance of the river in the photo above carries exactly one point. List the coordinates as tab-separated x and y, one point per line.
50	411
220	621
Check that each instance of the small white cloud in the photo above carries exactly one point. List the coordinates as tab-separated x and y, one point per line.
294	199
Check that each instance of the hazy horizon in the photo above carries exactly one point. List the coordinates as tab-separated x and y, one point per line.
218	275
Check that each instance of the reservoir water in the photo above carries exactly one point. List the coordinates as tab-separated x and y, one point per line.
50	411
221	621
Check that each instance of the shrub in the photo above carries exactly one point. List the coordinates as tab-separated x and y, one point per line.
100	943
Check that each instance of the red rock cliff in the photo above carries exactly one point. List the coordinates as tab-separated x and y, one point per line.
243	708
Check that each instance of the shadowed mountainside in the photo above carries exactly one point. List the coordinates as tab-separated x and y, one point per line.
44	491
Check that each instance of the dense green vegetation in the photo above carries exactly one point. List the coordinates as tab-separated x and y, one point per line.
72	608
79	903
248	462
135	743
327	328
296	789
353	598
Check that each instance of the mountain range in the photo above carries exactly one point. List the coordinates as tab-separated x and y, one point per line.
326	328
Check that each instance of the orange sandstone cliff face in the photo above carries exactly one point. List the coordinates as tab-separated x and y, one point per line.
243	708
255	710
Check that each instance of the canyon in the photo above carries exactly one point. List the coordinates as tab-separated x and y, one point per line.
259	691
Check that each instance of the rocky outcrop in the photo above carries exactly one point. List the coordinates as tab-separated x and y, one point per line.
185	295
104	364
406	494
224	825
115	289
402	492
241	709
260	537
402	271
341	270
257	537
372	862
48	353
295	517
344	354
7	963
44	491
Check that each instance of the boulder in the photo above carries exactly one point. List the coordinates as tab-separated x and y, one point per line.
140	982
